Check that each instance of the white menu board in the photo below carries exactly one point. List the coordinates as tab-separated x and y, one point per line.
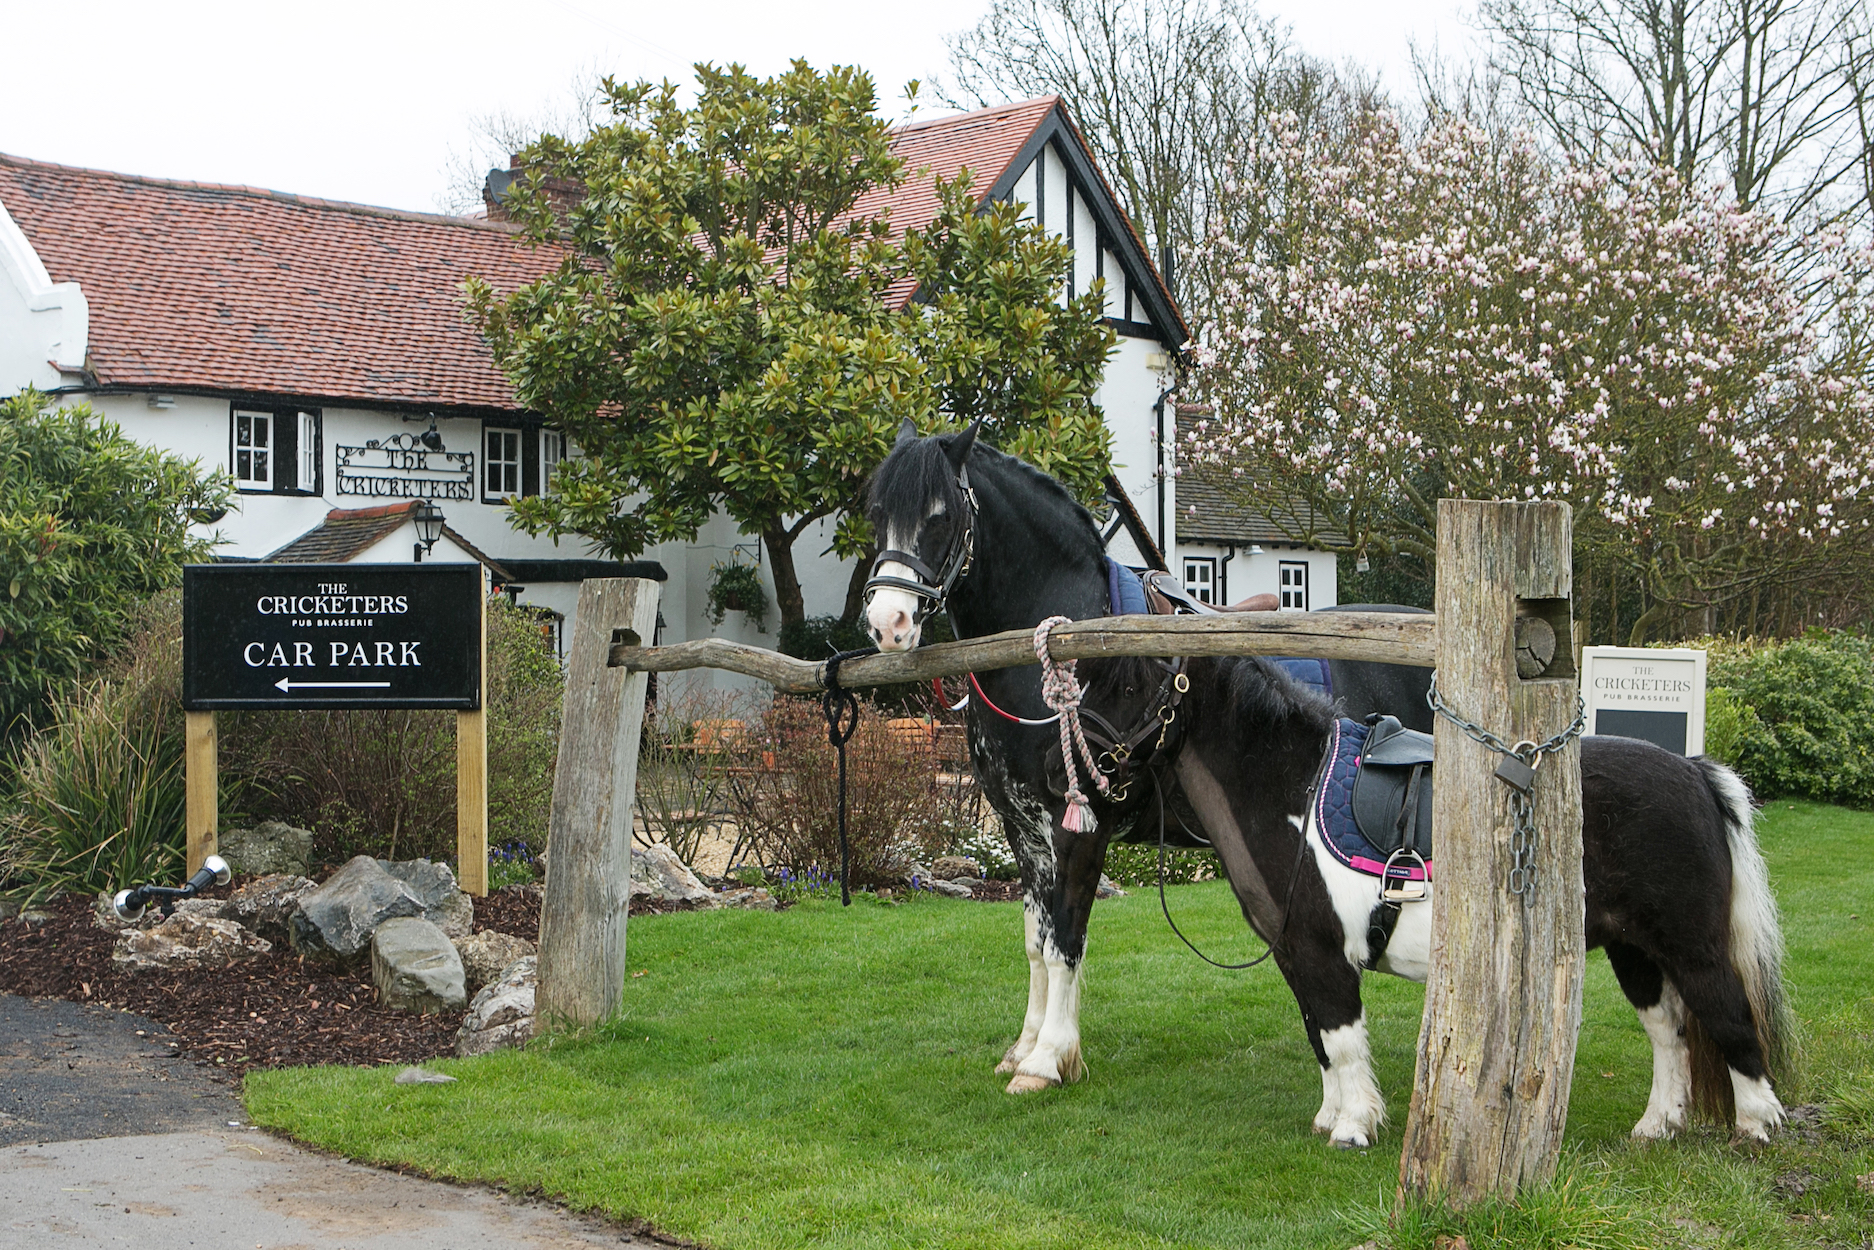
1644	692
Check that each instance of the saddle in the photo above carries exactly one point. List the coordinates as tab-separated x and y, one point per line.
1374	804
1392	795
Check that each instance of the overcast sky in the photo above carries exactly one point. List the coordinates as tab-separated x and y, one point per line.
366	100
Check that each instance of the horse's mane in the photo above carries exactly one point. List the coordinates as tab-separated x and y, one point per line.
919	470
1256	694
914	471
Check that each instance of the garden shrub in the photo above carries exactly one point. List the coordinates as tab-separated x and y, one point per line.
382	782
1805	716
95	798
790	804
1136	864
91	525
694	738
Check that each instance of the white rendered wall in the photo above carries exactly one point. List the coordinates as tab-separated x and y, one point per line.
43	325
1250	574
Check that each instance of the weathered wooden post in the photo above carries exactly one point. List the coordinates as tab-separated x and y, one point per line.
1503	1001
471	776
582	918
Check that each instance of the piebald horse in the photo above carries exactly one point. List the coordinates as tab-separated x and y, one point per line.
1003	546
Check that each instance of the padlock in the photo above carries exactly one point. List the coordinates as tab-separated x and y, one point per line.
1515	774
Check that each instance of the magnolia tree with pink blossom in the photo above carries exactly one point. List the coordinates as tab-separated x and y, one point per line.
1457	314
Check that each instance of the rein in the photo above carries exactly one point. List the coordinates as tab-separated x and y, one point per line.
841	707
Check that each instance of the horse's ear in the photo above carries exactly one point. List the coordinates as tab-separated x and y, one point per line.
958	449
906	432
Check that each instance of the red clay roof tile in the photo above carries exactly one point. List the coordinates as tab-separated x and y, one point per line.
199	286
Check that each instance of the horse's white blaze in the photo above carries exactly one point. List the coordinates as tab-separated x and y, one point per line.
1354	895
891	612
1758	1108
1672	1066
1351	1107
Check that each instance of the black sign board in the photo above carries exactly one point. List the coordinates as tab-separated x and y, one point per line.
299	636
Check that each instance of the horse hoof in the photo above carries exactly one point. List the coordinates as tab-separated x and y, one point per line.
1022	1084
1006	1066
1351	1143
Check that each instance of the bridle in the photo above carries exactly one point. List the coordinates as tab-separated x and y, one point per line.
1120	757
933	586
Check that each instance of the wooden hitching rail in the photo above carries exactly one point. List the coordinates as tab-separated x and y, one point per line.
1382	637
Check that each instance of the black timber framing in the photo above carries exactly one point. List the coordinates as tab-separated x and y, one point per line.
1056	132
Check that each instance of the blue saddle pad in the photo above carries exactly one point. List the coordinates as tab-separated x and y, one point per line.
1333	804
1311	673
1125	593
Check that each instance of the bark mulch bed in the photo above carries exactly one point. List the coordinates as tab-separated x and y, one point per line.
275	1010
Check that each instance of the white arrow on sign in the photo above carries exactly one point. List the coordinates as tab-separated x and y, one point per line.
289	685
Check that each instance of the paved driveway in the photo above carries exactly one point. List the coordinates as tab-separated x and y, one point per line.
106	1139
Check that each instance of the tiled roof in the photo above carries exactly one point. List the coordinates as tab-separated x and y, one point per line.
1211	507
346	533
193	285
988	143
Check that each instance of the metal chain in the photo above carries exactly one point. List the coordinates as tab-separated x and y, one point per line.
1522	875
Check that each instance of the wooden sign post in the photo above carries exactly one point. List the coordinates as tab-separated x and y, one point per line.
582	915
1503	1000
326	637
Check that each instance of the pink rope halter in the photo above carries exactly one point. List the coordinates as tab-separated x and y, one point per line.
1060	690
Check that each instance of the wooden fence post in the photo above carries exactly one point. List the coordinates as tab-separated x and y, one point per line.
582	918
471	777
1503	999
200	781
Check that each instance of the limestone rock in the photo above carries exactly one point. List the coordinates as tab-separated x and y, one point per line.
444	903
657	873
269	847
486	954
266	904
422	1076
415	966
950	867
756	898
502	1015
104	915
951	888
1107	888
187	941
335	921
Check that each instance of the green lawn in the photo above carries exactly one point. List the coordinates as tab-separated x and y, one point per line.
823	1077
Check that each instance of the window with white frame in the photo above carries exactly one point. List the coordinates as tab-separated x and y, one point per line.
253	450
501	463
1200	578
1294	583
308	450
275	451
552	452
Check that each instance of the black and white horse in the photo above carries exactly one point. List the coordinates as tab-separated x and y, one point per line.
1676	893
1004	546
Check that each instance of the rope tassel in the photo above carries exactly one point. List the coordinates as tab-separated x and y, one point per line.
1060	690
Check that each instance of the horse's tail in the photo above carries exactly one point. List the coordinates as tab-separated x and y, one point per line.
1756	944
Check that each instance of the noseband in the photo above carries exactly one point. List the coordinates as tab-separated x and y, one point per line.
932	587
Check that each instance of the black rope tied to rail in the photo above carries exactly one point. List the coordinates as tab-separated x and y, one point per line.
842	721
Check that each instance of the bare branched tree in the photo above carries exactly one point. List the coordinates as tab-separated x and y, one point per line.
1772	96
494	137
1169	94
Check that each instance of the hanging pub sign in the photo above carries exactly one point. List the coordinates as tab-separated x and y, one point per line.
307	636
1655	693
